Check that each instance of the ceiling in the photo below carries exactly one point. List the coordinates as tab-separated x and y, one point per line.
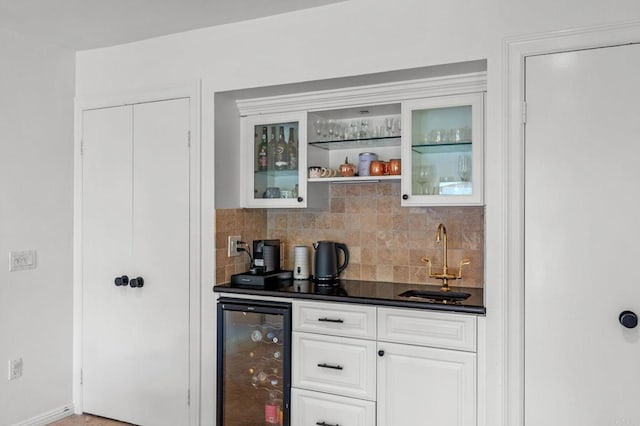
88	24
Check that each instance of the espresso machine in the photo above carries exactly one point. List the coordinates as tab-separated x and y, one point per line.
264	270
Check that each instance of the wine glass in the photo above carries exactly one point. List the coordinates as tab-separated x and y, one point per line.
318	125
331	127
388	123
424	178
464	168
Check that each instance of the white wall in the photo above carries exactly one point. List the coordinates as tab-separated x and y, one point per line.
351	38
36	212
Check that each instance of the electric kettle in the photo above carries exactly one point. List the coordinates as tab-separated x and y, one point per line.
325	261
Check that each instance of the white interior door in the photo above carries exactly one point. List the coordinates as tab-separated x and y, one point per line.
582	367
136	223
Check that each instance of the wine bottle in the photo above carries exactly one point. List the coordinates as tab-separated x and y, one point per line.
271	148
282	155
293	150
263	156
272	410
273	337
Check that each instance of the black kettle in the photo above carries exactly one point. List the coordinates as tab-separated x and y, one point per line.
325	261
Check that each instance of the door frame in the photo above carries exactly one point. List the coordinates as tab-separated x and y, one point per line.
515	51
198	246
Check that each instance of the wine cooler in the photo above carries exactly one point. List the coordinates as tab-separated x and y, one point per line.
254	362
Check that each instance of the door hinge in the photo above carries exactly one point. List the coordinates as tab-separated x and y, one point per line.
188	396
81	146
524	113
81	377
189	138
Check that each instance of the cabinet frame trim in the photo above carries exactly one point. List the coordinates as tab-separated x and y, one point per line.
365	95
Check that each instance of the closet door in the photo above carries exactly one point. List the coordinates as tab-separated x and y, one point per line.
135	218
582	294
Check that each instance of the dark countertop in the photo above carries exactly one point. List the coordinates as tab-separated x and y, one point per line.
366	292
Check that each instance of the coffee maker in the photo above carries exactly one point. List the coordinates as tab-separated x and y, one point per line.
266	255
264	271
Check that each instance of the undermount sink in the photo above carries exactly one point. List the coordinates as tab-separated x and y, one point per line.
450	296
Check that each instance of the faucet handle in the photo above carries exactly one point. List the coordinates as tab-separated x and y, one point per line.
428	262
462	263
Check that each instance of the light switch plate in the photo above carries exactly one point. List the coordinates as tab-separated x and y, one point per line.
15	369
21	260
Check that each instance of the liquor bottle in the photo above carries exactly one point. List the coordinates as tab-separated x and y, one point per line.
293	150
263	156
282	155
272	410
271	148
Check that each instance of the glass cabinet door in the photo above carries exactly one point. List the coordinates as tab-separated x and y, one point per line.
443	146
275	159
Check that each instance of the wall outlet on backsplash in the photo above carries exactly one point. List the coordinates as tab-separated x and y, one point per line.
232	246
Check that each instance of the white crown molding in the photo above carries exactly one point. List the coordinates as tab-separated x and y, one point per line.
365	95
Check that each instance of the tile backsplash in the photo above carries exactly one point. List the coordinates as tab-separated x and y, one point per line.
386	241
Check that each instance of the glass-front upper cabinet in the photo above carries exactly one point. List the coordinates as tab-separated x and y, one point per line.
443	150
275	155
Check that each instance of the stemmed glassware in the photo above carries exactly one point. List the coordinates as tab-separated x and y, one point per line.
424	178
464	168
388	123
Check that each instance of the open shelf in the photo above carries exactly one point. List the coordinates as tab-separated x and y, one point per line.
377	142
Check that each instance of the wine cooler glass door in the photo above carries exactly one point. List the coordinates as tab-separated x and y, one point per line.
253	363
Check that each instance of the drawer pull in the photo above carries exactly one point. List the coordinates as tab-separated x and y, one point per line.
337	320
326	424
334	367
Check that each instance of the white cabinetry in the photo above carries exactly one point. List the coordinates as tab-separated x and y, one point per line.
443	150
426	368
274	177
412	367
435	126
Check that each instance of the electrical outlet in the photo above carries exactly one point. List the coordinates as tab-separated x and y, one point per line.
232	246
15	368
21	260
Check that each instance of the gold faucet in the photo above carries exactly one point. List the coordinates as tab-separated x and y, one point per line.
445	276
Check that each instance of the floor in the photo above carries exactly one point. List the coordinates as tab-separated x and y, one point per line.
87	420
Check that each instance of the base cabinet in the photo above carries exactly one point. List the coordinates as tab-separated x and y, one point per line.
414	368
422	385
323	409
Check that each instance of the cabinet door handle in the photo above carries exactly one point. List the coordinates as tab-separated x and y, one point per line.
337	320
405	197
326	424
334	367
300	199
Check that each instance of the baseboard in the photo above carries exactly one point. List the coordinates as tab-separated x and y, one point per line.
48	417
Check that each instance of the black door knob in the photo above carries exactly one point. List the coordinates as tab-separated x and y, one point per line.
136	282
405	197
300	199
628	319
123	280
380	352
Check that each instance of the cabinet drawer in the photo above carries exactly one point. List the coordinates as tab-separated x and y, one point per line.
336	365
336	319
442	330
317	408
